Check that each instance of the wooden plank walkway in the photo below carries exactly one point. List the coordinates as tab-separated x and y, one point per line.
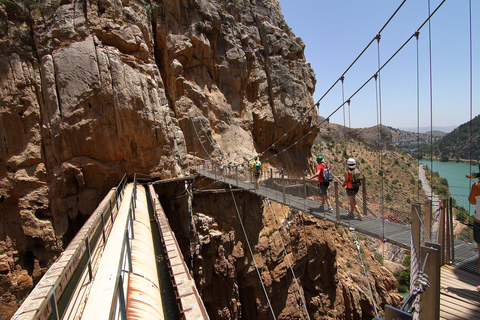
459	298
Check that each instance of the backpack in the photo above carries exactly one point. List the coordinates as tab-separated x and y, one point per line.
356	179
257	166
327	174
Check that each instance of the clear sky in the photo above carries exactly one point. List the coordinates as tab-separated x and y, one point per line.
335	32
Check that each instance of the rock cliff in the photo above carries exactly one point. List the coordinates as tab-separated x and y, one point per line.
91	90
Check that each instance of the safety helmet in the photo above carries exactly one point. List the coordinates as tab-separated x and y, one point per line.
351	164
319	159
255	157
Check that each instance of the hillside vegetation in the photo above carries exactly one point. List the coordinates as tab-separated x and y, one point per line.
461	143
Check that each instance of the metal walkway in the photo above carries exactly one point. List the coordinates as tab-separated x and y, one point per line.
466	254
112	263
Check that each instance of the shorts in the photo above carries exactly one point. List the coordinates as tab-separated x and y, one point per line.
352	191
322	188
257	175
476	231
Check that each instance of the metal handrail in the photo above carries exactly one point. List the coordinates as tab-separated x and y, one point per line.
119	294
49	305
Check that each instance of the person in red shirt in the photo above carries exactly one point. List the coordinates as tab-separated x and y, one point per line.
322	185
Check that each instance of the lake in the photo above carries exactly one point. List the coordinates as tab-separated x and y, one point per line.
455	174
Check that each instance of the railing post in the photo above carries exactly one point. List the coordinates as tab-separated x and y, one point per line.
103	228
131	221
304	189
129	252
430	298
441	231
364	196
284	197
89	258
428	218
337	202
111	211
53	304
447	231
452	238
236	175
123	308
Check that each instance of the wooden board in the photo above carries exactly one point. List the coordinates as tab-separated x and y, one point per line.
459	298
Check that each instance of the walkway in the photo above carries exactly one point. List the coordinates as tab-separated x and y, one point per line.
458	297
466	254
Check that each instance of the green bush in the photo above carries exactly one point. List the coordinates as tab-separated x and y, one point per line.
461	216
379	258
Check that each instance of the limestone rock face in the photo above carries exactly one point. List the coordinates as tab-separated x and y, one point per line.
90	91
303	262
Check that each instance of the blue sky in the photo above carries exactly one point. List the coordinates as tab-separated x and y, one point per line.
335	32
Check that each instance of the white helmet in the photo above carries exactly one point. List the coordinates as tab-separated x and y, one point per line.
351	164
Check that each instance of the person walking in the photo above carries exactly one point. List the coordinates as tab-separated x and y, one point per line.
323	183
352	183
257	170
221	166
474	199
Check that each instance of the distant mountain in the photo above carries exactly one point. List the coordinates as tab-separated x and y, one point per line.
427	129
412	140
459	143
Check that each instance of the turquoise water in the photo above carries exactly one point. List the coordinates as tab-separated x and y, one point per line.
455	174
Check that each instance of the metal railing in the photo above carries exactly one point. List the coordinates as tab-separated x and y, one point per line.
76	265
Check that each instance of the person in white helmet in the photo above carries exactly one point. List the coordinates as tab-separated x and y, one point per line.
352	187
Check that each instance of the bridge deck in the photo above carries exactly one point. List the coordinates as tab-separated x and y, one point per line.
459	298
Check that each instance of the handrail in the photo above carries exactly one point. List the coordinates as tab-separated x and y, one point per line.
90	230
119	294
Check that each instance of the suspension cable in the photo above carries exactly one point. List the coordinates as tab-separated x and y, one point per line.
380	136
431	97
206	152
417	33
471	100
251	252
357	244
288	259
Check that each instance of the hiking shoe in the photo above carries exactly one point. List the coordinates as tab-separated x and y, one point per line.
360	217
330	209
